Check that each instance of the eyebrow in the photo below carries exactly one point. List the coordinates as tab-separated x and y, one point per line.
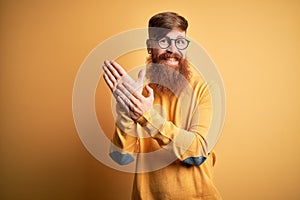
179	36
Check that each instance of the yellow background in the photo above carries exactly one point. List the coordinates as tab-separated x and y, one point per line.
255	45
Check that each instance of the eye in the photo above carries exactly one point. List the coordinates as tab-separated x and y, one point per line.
163	41
181	41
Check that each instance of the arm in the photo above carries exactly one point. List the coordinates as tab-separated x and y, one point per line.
188	145
124	141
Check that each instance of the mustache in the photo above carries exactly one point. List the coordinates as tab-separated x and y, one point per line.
169	55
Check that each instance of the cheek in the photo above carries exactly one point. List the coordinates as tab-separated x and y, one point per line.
183	54
160	51
157	52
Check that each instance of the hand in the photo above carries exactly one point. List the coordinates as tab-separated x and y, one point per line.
135	102
114	74
127	92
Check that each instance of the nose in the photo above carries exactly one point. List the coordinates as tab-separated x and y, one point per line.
172	48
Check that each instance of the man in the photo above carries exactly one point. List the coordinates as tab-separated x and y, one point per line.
171	113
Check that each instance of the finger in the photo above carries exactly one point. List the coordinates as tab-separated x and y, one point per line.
133	100
133	91
124	91
126	78
110	75
118	72
141	76
118	67
109	82
149	91
127	102
112	69
122	104
134	116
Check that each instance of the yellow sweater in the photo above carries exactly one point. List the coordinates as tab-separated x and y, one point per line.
177	127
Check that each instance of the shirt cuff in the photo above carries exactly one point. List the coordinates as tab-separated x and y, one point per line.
151	121
125	124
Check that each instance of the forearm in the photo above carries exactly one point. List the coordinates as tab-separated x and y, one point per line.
124	141
185	144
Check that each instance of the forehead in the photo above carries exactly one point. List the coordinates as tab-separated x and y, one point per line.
176	33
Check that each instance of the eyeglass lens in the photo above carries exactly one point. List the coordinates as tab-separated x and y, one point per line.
180	43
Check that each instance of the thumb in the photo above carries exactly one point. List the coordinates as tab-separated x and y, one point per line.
141	76
149	91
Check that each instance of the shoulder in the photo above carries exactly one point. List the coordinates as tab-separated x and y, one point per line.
199	89
197	83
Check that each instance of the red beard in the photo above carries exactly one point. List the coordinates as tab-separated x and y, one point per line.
167	79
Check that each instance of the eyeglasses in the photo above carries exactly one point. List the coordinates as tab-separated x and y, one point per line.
180	43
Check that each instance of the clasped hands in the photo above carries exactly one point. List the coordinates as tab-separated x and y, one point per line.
127	91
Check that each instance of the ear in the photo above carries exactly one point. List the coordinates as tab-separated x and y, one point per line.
149	46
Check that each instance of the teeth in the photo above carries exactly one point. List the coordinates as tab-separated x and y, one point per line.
171	59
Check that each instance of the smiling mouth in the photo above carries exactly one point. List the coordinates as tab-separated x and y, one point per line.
171	61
